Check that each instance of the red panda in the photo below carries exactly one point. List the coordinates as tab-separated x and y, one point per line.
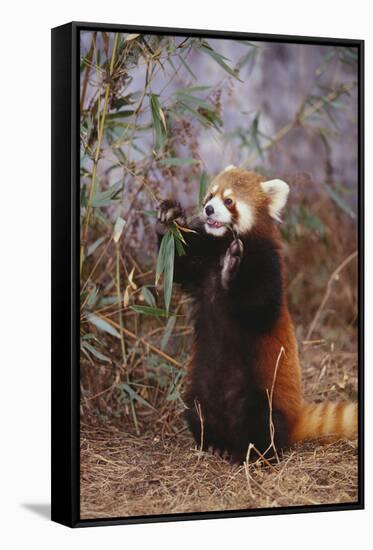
245	379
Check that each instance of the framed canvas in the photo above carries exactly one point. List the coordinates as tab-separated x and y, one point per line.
207	274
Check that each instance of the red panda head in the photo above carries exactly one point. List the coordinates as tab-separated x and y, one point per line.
242	201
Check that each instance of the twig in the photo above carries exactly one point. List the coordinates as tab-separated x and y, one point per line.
143	342
333	277
260	456
97	263
200	416
300	117
270	401
87	70
101	127
199	412
250	478
246	466
119	295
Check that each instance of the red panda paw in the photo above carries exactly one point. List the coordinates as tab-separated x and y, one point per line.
169	211
231	262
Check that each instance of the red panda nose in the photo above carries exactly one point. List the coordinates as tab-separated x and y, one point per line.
209	210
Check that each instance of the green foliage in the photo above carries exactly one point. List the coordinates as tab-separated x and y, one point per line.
148	310
204	47
203	182
165	265
145	110
102	325
159	122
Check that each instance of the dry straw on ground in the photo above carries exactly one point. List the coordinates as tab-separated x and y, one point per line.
127	475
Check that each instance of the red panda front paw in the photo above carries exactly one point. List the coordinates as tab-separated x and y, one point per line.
231	262
169	211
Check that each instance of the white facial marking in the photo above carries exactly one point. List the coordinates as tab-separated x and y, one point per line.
278	191
227	192
245	219
221	215
214	188
216	231
229	167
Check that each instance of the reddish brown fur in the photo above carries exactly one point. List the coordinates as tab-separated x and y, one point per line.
243	328
287	396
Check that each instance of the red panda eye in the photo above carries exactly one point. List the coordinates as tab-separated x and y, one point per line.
228	202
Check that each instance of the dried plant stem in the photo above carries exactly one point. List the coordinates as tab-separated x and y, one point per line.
270	401
87	70
250	478
144	342
120	314
96	264
200	416
333	277
101	127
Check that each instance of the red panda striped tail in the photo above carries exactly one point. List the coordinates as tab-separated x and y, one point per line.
326	421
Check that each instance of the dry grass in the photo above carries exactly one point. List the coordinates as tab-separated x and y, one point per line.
159	473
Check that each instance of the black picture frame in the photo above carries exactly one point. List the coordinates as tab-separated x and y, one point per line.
65	273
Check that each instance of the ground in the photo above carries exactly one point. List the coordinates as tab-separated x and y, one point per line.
125	475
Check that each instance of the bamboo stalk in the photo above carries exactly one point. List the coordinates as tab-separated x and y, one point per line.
101	128
87	70
120	314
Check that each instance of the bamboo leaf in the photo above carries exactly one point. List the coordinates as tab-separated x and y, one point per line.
103	325
168	331
132	283
108	301
190	89
92	297
169	272
147	310
255	134
130	37
134	395
162	255
202	188
220	59
94	246
339	201
104	198
179	161
187	67
119	114
95	352
159	122
118	229
119	102
173	392
179	239
206	118
148	296
188	98
179	247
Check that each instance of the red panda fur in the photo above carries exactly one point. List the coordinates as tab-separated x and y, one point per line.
221	381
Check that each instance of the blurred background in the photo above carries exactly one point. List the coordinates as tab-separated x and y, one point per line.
159	117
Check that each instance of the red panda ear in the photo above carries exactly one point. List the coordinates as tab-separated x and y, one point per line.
229	167
278	191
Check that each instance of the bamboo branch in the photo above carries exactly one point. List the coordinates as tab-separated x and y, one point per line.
87	70
300	117
143	342
101	128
